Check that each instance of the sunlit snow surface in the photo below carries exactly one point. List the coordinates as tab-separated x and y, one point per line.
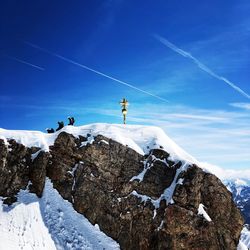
48	223
140	138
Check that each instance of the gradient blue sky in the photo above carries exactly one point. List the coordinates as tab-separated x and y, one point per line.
204	115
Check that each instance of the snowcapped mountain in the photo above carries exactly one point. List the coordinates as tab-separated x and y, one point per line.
142	139
240	189
241	195
110	186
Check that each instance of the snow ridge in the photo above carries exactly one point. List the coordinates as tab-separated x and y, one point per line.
140	138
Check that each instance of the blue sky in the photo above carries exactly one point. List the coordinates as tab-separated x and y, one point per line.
204	77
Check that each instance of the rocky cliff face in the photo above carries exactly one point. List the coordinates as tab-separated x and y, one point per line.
141	201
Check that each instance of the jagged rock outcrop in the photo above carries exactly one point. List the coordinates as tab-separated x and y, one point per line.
143	202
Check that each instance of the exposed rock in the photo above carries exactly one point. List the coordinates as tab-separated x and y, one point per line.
14	168
63	159
204	188
95	175
38	172
159	175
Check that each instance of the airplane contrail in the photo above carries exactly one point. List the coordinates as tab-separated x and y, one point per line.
200	64
94	71
24	62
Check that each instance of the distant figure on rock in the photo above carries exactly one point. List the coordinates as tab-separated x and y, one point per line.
60	125
71	120
50	130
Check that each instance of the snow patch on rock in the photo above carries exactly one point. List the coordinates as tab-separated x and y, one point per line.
201	211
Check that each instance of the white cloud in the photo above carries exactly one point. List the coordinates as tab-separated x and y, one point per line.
226	174
242	105
216	136
200	117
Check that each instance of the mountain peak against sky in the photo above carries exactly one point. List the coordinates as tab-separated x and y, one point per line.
140	138
240	182
183	66
80	58
139	186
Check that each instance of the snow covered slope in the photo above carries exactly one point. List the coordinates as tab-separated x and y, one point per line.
139	138
48	223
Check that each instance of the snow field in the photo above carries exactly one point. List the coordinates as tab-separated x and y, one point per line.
48	223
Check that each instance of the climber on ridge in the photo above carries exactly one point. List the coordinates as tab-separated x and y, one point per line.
71	120
50	130
60	125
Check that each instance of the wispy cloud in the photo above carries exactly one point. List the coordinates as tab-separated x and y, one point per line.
24	62
96	71
242	105
200	117
216	136
201	65
210	135
226	174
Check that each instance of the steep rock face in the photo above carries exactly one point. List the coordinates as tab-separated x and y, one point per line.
206	189
143	202
15	164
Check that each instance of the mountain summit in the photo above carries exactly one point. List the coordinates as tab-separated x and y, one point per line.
134	182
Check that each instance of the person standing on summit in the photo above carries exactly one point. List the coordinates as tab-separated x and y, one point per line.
71	120
60	125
